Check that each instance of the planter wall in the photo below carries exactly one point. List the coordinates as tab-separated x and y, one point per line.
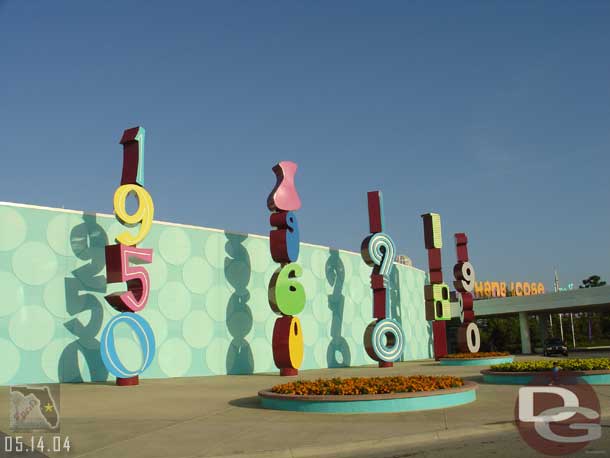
381	403
476	361
523	378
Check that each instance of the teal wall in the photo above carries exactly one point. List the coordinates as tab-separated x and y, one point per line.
208	303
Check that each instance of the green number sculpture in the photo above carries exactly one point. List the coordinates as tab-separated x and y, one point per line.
286	294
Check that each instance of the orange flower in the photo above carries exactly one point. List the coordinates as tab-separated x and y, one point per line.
482	354
368	385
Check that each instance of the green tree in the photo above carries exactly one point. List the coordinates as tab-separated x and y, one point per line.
592	282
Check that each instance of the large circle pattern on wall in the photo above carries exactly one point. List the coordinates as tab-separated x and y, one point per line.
175	357
157	322
357	291
214	250
318	264
258	251
198	329
310	332
27	318
174	245
157	270
197	275
320	309
260	353
11	360
58	228
259	305
216	302
54	297
12	294
216	354
34	263
10	218
174	300
51	355
319	351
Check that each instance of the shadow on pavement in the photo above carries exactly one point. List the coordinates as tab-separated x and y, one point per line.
250	402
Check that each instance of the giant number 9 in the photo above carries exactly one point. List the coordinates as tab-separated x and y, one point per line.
144	213
379	250
465	277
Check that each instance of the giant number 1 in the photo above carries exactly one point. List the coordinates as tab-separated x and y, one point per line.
438	307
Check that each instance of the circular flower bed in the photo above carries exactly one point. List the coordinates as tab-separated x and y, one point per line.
368	385
484	358
595	371
589	364
370	394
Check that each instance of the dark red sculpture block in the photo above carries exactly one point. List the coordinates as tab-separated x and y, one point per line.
462	253
131	157
467	301
385	364
439	332
131	381
434	259
460	238
436	277
288	372
379	302
379	296
468	316
377	281
375	212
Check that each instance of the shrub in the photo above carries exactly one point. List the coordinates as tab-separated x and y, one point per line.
482	354
368	385
591	364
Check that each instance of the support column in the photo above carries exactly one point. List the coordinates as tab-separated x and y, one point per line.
543	328
524	328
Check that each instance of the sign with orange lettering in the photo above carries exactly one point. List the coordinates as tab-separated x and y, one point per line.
489	289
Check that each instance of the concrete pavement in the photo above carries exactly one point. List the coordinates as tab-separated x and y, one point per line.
220	416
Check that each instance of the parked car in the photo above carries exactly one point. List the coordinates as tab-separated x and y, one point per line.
555	346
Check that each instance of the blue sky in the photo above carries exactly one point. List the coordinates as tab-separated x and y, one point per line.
494	114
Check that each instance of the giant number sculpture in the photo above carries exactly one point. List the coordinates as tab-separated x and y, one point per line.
438	307
384	339
118	269
469	338
286	294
